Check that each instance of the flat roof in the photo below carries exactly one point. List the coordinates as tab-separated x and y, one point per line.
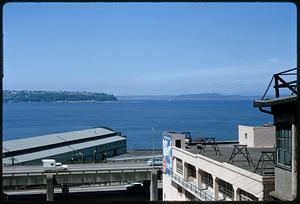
226	151
32	142
274	101
61	150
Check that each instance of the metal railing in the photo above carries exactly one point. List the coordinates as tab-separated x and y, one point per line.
280	82
195	190
79	171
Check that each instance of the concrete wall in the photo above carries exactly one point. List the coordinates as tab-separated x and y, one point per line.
170	192
283	183
258	136
264	136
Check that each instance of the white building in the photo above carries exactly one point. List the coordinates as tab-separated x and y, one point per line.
200	172
257	136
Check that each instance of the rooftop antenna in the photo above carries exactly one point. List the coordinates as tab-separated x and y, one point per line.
210	141
240	150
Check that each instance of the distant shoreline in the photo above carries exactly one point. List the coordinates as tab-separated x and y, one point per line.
12	96
13	102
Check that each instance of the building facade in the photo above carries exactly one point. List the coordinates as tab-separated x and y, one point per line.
206	173
283	107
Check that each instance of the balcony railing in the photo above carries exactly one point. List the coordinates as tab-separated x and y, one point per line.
281	81
195	190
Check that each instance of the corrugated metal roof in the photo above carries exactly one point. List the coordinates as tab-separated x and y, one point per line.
97	142
26	143
61	150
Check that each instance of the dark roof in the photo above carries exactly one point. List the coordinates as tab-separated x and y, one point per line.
274	101
226	151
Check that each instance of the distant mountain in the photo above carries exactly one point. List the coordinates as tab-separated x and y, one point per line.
146	97
11	96
214	96
201	96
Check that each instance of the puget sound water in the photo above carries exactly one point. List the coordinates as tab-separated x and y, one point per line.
134	118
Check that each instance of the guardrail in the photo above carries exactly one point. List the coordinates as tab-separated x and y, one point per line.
195	190
77	176
280	82
24	173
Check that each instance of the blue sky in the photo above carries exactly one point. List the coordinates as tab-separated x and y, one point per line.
147	48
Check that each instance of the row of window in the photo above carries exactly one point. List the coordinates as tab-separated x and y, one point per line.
110	145
224	187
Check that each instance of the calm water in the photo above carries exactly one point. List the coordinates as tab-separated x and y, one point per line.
206	118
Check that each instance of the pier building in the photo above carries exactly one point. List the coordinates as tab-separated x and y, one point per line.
90	145
283	107
212	171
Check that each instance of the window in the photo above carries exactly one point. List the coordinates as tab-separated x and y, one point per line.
207	179
178	143
226	188
179	166
245	196
245	135
179	189
191	171
284	144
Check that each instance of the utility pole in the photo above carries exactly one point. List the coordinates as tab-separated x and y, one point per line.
153	146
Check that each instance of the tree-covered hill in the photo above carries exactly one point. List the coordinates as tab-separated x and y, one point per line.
54	96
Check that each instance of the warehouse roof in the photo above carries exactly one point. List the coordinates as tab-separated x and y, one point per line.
61	150
32	142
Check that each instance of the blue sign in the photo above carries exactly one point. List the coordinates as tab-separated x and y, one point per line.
167	153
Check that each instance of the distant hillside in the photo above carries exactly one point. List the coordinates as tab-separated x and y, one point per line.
10	96
213	96
201	96
146	97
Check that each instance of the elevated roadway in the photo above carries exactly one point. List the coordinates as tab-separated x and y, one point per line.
77	174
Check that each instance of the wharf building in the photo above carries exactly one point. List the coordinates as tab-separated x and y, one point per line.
207	170
90	145
283	107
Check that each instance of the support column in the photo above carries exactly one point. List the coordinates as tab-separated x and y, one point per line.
236	193
215	187
153	188
199	178
185	171
65	189
50	187
294	162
